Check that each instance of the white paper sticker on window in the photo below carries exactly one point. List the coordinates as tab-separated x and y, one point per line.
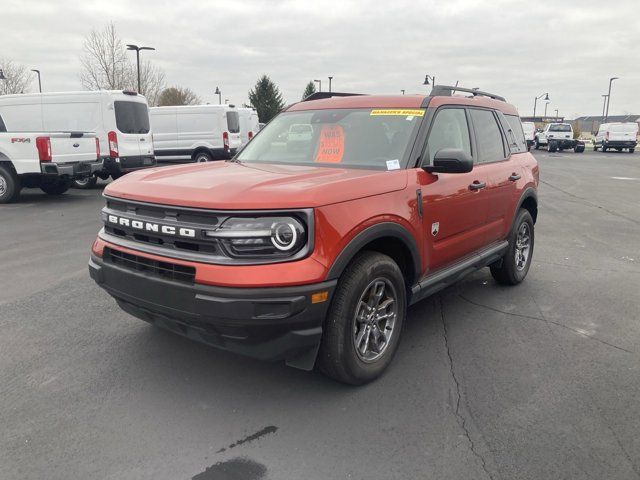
393	164
410	117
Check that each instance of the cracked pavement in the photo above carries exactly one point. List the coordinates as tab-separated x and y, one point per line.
536	381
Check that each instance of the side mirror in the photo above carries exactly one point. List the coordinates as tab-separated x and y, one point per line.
450	160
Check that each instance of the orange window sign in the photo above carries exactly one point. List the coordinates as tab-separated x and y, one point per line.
331	145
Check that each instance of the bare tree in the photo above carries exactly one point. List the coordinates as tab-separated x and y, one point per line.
17	76
104	61
105	65
151	81
177	96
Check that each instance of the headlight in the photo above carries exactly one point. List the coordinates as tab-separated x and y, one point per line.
261	237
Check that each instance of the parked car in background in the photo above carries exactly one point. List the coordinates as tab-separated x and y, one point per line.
558	137
195	133
46	160
618	135
120	120
313	254
249	124
529	129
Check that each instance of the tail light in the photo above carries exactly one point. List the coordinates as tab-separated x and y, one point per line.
43	144
250	134
113	144
225	141
97	148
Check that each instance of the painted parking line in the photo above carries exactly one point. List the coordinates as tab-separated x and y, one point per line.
626	178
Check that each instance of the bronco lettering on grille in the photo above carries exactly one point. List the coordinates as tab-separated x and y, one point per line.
152	227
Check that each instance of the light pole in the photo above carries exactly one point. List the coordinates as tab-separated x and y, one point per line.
39	82
319	82
429	77
219	93
606	115
604	105
557	114
402	91
330	78
137	50
535	102
546	104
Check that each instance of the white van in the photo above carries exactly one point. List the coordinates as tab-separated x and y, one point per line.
195	133
120	120
529	129
249	124
617	135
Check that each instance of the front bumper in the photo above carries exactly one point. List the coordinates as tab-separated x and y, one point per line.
271	323
71	170
121	165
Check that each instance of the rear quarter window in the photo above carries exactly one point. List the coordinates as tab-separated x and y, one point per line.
3	128
515	134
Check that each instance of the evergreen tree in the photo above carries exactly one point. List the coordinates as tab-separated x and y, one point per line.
266	99
310	89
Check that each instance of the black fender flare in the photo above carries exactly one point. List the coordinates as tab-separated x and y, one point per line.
374	232
529	192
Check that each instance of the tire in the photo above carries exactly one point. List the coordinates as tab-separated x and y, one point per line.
578	148
85	183
115	176
595	147
604	148
631	150
368	273
9	185
202	156
511	271
536	144
553	147
55	187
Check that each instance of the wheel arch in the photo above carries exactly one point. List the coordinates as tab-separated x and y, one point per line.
528	201
388	238
201	149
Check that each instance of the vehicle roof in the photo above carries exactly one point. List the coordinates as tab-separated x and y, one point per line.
401	101
192	108
77	93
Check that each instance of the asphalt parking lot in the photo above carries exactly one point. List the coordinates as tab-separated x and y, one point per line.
536	381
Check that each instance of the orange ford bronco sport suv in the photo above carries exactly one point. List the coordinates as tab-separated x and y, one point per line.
309	245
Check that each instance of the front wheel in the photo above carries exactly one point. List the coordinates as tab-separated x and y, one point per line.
9	185
516	261
365	320
55	187
631	150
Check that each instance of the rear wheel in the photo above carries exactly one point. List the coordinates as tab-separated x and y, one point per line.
619	149
85	183
516	261
362	330
631	150
9	185
552	147
536	144
604	148
55	186
201	157
578	148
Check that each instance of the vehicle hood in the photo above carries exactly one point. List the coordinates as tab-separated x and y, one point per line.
229	185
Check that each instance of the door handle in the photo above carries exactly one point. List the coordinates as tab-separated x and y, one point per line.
142	139
514	176
477	185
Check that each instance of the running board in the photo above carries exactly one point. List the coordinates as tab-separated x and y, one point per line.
448	276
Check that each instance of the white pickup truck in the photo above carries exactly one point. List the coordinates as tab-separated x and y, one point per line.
558	136
46	160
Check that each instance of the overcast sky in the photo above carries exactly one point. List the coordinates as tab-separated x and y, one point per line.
518	49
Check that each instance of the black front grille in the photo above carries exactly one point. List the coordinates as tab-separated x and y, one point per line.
165	270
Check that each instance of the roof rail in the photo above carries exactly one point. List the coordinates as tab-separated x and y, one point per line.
447	91
321	95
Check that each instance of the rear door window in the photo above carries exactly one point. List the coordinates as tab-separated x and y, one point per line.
132	117
488	136
233	122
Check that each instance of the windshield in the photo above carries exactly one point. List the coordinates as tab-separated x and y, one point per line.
350	138
560	128
132	117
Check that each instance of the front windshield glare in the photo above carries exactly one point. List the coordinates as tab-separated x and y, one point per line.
347	138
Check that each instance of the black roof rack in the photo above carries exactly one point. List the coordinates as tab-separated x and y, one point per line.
321	95
447	91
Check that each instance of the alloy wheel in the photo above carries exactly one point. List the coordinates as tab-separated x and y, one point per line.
523	246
